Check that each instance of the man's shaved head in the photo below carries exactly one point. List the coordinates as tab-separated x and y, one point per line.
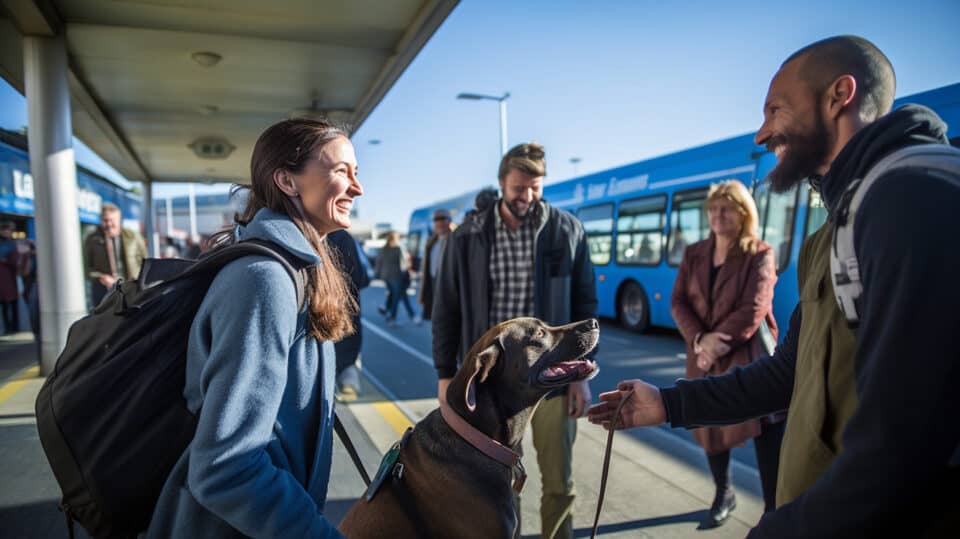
824	61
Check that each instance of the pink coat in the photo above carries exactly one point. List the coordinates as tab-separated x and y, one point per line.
741	297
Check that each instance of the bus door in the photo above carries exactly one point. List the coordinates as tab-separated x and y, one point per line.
598	226
644	287
688	225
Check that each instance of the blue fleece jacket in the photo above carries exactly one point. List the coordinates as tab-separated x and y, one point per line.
260	461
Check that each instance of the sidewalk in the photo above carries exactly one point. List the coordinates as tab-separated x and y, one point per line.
650	492
29	494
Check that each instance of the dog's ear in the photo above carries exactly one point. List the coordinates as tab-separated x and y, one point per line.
483	363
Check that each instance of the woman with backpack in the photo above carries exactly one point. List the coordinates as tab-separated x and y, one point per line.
257	377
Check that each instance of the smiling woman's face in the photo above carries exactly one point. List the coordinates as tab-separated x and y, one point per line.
725	218
328	185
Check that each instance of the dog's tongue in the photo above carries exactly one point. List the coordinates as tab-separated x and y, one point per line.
565	367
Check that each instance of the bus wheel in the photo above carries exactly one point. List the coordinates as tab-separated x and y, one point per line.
633	309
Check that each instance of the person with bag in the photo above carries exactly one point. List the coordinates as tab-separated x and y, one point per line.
871	446
9	263
256	375
722	296
393	266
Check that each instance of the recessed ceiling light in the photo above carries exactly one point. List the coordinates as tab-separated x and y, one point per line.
206	59
212	148
208	110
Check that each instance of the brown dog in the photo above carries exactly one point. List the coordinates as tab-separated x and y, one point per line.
447	485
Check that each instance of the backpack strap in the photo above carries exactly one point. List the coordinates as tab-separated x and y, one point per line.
295	267
844	267
348	444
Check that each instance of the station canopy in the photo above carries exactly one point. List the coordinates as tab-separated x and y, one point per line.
179	90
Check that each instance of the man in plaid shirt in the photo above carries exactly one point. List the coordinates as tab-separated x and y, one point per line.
520	257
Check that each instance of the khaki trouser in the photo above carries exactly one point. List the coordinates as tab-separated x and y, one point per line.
553	437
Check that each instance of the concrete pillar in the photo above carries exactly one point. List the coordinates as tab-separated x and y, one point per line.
149	236
193	214
169	216
59	259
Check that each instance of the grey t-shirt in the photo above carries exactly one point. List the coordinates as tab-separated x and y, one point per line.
435	253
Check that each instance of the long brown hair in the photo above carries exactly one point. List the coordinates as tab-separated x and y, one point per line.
289	145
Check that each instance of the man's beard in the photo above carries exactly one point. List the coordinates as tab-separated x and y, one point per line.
803	154
514	211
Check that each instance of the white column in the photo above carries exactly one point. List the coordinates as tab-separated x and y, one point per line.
149	237
193	215
59	258
169	216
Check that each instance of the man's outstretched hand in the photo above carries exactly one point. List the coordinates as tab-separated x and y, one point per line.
643	408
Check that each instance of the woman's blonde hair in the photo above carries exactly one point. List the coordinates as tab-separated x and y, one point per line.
393	239
736	193
289	145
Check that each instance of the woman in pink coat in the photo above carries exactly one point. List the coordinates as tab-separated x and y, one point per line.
722	296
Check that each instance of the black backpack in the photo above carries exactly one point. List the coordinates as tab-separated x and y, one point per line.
112	417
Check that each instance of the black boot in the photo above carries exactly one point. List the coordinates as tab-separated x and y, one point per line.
724	503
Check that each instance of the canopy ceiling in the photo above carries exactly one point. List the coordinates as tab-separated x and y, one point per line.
143	100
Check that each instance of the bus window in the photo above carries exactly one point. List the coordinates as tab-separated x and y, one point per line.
598	225
816	213
688	223
776	211
640	230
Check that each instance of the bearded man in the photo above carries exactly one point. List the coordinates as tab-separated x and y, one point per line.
872	442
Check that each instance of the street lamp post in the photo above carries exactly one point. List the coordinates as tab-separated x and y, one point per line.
503	114
575	161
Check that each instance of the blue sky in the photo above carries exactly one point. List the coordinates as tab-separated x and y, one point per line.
607	82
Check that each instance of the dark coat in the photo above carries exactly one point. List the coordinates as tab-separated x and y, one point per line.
426	280
9	261
392	263
95	254
741	297
351	264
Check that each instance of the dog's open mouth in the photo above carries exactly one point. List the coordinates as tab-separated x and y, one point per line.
566	372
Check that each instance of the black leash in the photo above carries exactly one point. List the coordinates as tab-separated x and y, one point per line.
342	433
606	461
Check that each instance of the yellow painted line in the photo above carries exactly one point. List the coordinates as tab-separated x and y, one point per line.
395	418
11	388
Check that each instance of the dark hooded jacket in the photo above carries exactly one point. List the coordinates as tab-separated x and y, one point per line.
896	469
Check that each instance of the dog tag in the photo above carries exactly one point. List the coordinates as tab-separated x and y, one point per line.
387	466
384	472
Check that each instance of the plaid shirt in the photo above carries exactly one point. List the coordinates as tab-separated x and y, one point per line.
511	267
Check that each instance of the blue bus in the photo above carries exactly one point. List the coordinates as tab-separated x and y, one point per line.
640	217
17	196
